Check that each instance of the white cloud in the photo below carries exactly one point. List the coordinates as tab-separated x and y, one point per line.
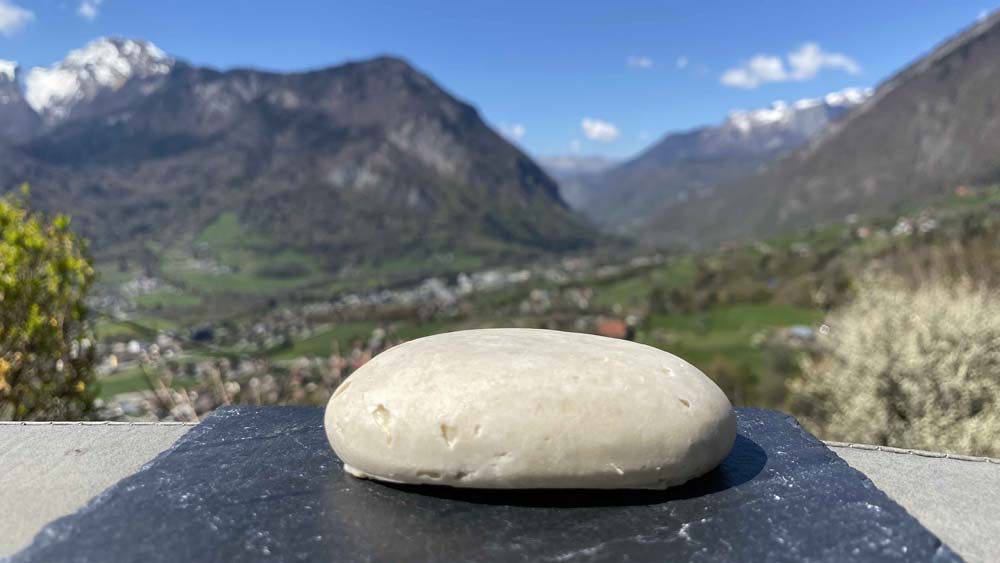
599	130
810	59
513	131
637	61
13	18
88	9
802	64
761	68
682	62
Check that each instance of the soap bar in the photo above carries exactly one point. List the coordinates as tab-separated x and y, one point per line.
528	408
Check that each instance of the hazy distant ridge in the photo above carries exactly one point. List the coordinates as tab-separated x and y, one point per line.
685	165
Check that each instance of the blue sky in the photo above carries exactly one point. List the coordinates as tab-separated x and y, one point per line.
634	70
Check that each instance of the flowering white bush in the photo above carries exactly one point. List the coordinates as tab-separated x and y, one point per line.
908	368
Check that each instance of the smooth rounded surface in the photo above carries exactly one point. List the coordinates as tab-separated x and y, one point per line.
526	408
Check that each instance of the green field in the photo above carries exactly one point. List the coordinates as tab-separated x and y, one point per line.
225	271
254	265
131	380
137	327
326	341
725	332
167	300
125	381
110	274
229	270
635	289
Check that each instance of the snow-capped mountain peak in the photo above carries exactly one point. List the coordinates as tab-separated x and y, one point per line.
848	97
807	112
8	70
103	64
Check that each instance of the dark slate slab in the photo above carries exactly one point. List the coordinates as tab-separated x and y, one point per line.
252	483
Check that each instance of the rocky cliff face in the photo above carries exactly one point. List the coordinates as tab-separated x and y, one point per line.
17	120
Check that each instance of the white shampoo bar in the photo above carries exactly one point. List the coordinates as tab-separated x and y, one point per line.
527	408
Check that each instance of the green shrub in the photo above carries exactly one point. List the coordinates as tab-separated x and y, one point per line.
45	361
917	368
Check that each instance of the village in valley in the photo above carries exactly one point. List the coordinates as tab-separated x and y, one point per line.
744	312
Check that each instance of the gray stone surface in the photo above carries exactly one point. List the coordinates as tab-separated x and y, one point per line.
255	484
956	498
49	470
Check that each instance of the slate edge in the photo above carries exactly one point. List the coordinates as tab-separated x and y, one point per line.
944	552
908	451
208	424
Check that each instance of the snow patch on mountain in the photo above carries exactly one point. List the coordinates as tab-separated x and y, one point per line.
106	63
805	110
8	69
848	97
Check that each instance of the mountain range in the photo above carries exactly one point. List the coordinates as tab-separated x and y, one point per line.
573	173
371	162
928	129
362	163
691	163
